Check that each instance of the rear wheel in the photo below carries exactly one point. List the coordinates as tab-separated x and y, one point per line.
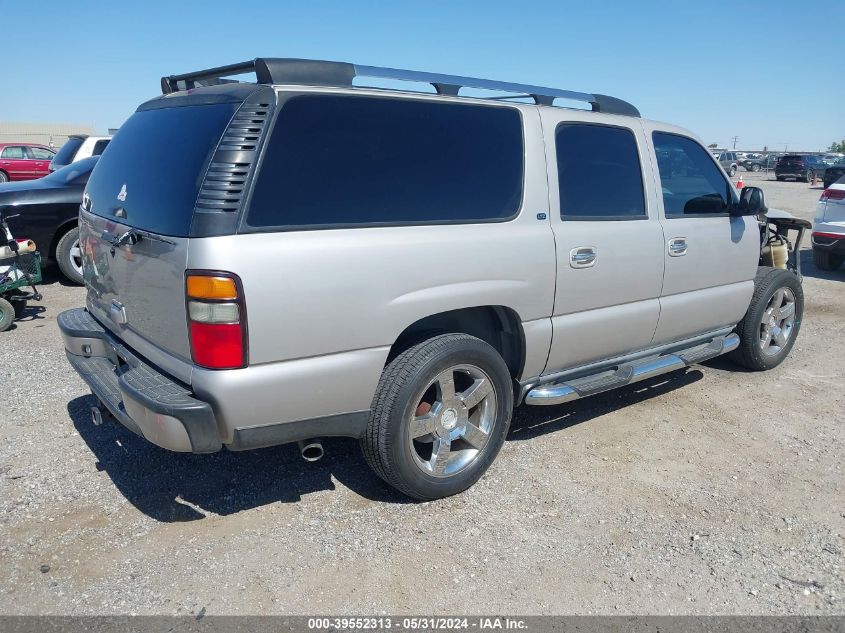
7	314
825	260
733	171
69	256
755	167
780	178
439	416
771	324
4	177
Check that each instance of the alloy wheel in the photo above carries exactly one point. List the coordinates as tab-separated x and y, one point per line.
452	420
778	321
76	256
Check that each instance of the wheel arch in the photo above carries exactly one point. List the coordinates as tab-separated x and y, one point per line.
497	325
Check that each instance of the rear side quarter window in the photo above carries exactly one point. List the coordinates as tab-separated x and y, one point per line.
336	161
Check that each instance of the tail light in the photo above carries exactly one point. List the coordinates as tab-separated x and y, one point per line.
833	194
216	319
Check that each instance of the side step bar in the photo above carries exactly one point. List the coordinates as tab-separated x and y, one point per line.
629	373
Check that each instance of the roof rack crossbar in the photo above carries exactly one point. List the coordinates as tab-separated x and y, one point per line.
322	73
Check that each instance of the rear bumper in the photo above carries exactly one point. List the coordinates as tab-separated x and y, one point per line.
139	396
831	240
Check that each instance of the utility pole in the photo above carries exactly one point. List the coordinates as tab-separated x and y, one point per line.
735	138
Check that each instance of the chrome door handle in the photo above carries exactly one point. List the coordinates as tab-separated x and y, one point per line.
677	247
582	256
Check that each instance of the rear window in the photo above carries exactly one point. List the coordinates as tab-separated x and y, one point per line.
791	158
350	160
68	151
156	163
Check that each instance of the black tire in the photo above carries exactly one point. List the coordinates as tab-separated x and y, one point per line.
386	444
732	171
825	260
7	314
755	167
808	177
750	352
780	178
63	257
4	177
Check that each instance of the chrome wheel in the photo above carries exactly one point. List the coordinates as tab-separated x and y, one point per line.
778	321
76	256
452	420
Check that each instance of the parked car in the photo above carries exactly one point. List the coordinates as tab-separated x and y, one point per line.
833	173
829	227
48	209
24	161
729	162
403	267
77	147
760	164
802	167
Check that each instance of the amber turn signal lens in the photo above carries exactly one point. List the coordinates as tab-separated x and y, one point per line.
208	287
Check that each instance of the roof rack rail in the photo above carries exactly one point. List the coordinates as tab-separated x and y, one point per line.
322	73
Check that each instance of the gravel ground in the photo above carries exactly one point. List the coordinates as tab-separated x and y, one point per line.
712	491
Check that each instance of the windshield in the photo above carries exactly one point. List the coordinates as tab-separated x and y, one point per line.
68	150
76	173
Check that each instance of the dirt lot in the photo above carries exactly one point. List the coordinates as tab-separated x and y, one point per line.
712	491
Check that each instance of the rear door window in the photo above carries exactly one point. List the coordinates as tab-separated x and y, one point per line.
15	153
599	173
343	161
691	183
156	163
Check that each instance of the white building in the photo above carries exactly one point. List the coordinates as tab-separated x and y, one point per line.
51	134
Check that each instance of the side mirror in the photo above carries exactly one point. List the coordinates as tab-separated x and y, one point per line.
751	202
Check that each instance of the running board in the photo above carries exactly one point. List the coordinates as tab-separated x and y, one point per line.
629	373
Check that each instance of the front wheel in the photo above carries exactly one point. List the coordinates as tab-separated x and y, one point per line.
69	256
772	321
3	177
808	177
439	417
755	167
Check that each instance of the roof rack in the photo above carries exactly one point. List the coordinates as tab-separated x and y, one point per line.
321	73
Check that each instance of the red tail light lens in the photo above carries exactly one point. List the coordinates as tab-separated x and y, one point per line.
217	346
216	319
833	194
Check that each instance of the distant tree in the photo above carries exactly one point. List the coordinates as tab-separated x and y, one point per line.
837	147
713	145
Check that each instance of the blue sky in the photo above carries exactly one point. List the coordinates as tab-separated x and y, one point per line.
711	66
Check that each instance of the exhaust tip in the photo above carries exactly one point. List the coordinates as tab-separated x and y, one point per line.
96	416
311	450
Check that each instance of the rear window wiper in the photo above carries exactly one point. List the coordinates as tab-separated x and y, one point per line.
133	236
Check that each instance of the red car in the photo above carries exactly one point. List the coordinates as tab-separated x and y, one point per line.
24	161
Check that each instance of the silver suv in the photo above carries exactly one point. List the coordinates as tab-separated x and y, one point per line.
406	267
